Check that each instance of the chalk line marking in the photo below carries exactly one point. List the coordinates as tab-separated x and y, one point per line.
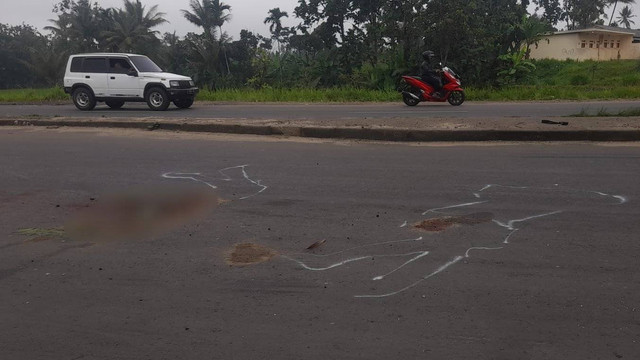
454	206
509	225
187	176
466	254
420	255
438	271
359	258
362	246
226	177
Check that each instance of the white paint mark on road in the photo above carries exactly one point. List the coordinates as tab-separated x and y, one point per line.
438	271
188	176
466	254
198	177
509	225
454	206
359	258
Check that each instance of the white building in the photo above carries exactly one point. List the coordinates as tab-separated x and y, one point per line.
598	42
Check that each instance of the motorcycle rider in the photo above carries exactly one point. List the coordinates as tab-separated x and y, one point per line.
429	74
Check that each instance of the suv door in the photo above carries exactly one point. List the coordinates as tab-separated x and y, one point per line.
121	83
94	74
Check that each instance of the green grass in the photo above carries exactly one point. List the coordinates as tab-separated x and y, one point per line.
300	95
513	93
552	80
32	95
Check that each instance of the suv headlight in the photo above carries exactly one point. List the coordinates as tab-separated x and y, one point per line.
174	83
192	83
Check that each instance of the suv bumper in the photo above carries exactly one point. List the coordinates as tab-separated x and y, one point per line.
182	93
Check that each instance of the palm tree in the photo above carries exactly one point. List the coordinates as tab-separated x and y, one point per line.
209	15
274	19
130	28
276	25
615	4
219	18
202	15
80	26
625	17
150	19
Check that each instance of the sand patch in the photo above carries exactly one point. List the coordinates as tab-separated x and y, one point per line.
249	254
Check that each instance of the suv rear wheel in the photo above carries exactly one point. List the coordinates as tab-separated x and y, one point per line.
83	99
157	99
114	104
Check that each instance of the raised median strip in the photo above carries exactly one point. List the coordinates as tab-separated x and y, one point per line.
345	132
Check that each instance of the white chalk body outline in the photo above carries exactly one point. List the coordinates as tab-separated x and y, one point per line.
196	176
509	225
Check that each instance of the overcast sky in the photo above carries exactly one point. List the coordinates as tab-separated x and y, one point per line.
246	14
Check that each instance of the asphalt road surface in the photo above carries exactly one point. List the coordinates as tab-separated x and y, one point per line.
421	252
333	111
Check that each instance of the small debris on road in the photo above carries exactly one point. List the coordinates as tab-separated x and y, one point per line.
316	244
549	122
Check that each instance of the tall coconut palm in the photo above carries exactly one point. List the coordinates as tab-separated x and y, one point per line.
276	24
202	15
79	25
625	17
148	19
274	19
130	29
219	18
615	4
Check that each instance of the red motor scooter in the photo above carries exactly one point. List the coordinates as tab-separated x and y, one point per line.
415	90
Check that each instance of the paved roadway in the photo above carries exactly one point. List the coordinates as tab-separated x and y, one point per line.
334	111
543	267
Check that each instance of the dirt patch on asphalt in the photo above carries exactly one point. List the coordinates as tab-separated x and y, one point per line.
249	254
443	223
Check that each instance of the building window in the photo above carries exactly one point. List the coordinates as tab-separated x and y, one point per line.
583	44
606	44
618	44
591	44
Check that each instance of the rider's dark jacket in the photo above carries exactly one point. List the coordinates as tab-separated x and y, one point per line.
430	75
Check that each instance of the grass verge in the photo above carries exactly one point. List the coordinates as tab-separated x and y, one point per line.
513	93
32	95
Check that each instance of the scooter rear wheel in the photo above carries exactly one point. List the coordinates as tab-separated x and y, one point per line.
456	98
409	100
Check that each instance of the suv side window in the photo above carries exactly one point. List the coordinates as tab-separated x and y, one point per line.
119	66
76	64
94	65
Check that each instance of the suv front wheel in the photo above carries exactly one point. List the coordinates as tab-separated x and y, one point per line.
157	99
183	103
83	99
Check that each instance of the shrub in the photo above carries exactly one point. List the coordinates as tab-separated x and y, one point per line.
579	79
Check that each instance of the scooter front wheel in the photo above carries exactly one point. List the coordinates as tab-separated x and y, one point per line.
456	98
410	100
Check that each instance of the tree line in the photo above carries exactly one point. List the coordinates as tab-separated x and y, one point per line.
356	43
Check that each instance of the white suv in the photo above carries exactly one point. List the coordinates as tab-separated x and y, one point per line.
118	78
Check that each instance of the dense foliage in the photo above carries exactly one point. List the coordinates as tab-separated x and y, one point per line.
355	43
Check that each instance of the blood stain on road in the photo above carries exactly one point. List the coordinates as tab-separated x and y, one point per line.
443	223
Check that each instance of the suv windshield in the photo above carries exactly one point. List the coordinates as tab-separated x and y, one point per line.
144	64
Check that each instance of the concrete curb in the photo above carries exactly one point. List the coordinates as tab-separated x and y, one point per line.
353	133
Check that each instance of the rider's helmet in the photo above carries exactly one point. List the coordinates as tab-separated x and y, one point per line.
428	55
